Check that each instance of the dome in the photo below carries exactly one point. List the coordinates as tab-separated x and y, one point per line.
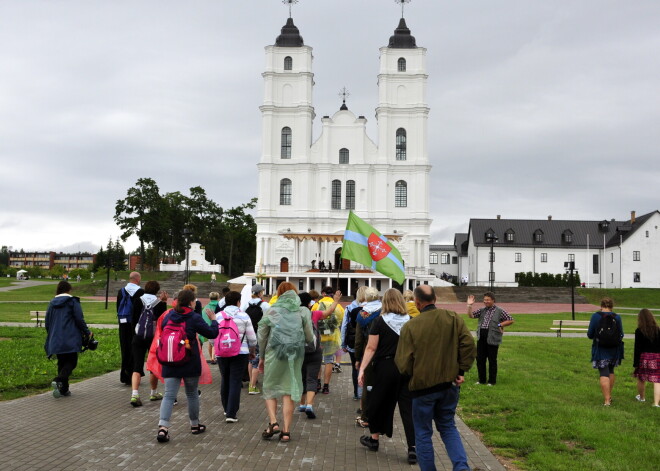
402	38
290	36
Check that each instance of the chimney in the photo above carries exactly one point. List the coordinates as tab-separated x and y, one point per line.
632	217
550	218
499	217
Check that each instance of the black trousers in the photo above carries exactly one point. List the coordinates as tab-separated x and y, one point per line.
486	352
126	333
355	372
66	363
231	371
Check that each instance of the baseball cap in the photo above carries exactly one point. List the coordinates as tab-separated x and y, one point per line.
256	289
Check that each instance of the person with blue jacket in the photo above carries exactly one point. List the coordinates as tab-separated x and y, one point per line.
605	358
189	371
65	327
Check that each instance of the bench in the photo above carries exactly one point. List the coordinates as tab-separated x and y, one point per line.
38	317
569	325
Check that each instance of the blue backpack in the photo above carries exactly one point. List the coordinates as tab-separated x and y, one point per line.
125	309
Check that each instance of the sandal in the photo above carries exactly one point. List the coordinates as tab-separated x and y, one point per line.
198	429
285	437
270	431
361	423
163	435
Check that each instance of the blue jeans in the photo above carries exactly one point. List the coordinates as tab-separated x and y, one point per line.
171	390
231	371
438	407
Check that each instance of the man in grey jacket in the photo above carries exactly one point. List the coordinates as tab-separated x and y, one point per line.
492	320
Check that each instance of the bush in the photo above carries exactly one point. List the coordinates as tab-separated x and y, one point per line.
546	279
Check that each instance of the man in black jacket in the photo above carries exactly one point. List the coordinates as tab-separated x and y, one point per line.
129	307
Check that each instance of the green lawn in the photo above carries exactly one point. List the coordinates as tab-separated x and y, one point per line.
26	370
627	297
546	413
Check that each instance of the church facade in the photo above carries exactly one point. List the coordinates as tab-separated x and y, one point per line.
307	185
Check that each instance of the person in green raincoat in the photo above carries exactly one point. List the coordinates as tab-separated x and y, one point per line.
214	298
283	331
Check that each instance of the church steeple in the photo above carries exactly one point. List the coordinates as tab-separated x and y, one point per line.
402	39
290	35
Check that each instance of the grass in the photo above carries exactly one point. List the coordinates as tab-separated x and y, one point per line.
627	297
94	312
26	369
546	413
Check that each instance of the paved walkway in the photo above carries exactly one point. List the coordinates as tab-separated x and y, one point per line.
20	284
96	428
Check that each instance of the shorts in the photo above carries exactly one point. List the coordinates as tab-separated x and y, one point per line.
255	361
139	349
328	359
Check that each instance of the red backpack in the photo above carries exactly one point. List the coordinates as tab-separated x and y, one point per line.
172	348
227	343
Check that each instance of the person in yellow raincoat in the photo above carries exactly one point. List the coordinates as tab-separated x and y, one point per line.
330	330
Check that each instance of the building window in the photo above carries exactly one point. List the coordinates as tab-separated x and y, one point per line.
286	143
636	257
288	63
571	257
509	236
336	194
611	257
518	257
454	260
433	258
350	194
444	259
544	257
401	64
538	236
343	156
489	236
637	277
612	278
567	237
595	265
401	194
401	146
285	192
647	233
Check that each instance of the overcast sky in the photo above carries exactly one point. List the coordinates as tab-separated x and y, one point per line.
537	108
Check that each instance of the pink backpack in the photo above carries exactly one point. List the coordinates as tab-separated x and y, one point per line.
227	343
171	349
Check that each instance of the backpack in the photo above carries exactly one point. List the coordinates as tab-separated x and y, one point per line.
145	324
256	313
608	333
351	326
171	349
227	343
287	337
328	325
315	345
125	309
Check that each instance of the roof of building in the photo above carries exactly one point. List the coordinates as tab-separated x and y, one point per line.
555	233
402	39
461	243
290	36
435	248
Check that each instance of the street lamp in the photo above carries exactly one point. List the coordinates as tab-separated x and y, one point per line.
186	236
492	238
570	268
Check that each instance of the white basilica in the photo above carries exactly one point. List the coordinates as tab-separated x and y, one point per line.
308	185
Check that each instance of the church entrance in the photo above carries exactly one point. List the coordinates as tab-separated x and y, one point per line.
284	265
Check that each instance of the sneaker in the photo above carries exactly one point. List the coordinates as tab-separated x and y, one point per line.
656	405
310	413
56	385
490	384
369	442
135	401
65	393
199	392
231	420
302	408
412	455
253	390
156	397
639	398
478	382
336	368
176	402
326	389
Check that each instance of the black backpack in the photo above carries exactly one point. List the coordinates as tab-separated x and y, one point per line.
351	326
145	324
608	334
315	346
256	313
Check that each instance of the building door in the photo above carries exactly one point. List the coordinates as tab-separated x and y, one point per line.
284	265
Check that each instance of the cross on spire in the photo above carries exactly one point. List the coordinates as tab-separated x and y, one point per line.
402	2
291	2
343	93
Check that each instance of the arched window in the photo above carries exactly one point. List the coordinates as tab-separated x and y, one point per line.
401	147
285	192
401	194
343	156
336	194
350	194
288	63
401	65
286	143
433	258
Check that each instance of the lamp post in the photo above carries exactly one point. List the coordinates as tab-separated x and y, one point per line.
570	268
492	238
108	263
186	236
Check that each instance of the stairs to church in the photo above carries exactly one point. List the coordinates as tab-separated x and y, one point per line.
551	295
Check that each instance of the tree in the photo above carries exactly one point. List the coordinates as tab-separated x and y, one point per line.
4	256
139	212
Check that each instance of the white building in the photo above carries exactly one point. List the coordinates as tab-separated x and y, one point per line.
607	254
195	261
307	186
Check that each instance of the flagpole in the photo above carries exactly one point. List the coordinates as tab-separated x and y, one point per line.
337	267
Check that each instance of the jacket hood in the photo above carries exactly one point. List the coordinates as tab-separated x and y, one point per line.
149	300
231	310
58	301
181	317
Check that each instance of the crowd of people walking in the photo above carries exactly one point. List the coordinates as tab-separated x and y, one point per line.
403	350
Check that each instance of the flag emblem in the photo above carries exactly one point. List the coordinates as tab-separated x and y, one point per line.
378	248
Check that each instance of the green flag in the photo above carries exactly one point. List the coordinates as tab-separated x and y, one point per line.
364	244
